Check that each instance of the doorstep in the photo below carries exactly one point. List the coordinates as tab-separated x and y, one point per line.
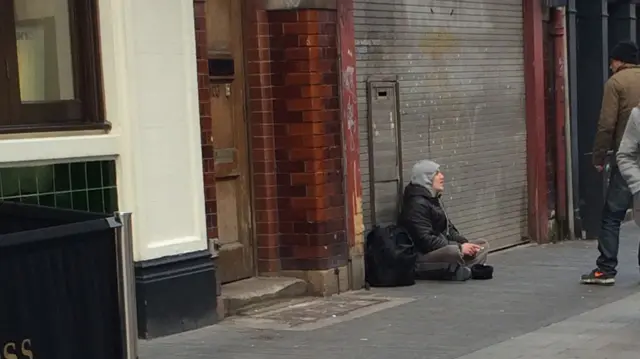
238	295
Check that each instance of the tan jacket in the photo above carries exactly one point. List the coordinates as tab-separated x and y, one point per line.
621	95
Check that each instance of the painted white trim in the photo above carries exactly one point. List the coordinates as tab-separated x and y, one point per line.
21	152
172	247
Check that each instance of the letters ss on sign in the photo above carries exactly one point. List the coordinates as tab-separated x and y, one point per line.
17	350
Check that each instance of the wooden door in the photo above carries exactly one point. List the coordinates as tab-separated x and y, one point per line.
224	38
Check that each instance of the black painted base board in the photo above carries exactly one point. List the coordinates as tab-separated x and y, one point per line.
176	294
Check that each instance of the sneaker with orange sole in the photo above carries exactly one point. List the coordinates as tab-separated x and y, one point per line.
598	277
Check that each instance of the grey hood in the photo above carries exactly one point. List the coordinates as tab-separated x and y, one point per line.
423	173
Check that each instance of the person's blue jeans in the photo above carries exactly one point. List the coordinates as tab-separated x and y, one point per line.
617	202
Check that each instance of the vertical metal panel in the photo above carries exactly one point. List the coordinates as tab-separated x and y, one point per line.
592	63
459	64
384	153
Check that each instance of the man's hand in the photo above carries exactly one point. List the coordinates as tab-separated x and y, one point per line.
599	168
470	249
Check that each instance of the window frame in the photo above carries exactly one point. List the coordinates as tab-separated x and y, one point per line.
86	110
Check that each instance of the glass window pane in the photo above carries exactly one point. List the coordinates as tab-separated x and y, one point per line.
44	50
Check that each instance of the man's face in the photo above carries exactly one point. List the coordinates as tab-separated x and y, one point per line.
614	65
438	182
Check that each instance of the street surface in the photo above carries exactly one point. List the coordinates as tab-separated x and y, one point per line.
533	308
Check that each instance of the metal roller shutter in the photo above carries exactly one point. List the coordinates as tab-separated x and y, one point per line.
460	74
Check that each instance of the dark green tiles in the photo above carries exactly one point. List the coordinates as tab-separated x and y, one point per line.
94	175
108	174
62	174
78	176
84	186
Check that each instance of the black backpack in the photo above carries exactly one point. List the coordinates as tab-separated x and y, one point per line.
389	257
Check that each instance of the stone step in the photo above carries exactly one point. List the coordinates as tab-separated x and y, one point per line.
238	295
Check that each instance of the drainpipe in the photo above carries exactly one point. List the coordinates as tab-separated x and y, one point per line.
571	133
537	211
557	18
571	226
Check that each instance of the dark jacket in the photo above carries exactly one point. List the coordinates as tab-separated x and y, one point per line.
621	95
425	219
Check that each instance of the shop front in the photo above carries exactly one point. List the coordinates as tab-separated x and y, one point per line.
99	112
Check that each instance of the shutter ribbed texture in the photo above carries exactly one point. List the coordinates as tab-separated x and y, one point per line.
460	68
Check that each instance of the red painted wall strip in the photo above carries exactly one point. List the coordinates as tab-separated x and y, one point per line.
535	117
349	114
557	16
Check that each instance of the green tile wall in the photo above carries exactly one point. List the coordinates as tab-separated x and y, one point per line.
85	186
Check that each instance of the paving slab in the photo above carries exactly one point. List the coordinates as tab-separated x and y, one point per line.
533	308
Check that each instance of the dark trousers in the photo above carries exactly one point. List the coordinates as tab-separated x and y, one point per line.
617	202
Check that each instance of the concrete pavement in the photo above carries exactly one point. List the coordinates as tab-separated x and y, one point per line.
533	308
610	331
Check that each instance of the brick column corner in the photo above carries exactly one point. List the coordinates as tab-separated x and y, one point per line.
303	115
296	123
206	124
308	139
260	118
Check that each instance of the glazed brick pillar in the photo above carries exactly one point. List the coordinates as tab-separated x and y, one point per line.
204	94
308	139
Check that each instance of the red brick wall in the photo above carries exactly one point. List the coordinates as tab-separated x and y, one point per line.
205	117
308	138
260	117
296	138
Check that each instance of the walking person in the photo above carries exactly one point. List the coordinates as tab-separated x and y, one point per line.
628	160
621	96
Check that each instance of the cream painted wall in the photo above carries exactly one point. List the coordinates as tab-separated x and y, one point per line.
149	63
151	98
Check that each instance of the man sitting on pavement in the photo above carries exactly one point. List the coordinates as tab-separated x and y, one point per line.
444	253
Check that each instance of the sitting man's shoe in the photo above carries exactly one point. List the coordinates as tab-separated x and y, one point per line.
598	277
461	274
481	272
